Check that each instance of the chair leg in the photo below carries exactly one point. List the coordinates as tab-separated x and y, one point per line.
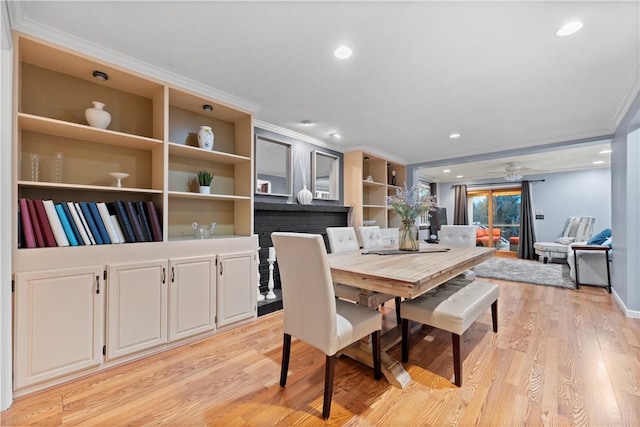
494	315
286	352
377	366
328	385
398	316
457	362
405	340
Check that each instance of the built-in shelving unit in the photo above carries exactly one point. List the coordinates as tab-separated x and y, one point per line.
367	185
176	288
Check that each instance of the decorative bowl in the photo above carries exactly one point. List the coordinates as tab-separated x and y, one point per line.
119	176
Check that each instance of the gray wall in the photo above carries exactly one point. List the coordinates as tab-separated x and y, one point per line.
625	161
301	150
563	194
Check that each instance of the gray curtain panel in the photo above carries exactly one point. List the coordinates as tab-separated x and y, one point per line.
527	231
460	213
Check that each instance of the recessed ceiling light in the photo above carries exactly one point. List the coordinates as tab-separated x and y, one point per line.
306	122
343	52
606	151
207	107
335	135
569	28
454	135
446	170
100	75
460	176
598	162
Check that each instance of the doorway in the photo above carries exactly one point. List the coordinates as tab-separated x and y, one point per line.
496	214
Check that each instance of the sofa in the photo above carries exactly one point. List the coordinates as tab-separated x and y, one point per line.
576	229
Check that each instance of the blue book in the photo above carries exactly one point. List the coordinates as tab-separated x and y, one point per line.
84	206
97	218
72	222
66	226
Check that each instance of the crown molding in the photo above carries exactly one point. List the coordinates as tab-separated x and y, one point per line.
296	135
632	91
23	24
5	36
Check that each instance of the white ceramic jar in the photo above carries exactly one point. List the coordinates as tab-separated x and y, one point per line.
304	196
205	137
96	116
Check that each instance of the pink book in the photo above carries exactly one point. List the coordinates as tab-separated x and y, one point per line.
27	227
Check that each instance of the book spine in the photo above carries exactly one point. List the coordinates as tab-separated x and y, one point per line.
155	221
116	226
76	218
144	221
27	227
102	229
72	223
49	238
119	210
106	219
66	226
92	225
135	222
56	225
37	229
85	224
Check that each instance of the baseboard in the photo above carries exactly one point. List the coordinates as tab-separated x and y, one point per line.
632	314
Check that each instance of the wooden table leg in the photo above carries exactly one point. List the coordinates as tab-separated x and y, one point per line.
391	368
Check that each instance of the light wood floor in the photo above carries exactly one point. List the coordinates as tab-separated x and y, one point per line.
561	357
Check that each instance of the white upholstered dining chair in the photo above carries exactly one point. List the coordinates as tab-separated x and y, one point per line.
371	237
459	235
311	311
343	239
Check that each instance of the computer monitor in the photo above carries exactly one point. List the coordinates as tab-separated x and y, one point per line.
438	219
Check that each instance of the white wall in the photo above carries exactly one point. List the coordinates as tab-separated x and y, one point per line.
5	210
563	194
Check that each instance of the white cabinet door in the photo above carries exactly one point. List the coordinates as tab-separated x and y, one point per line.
58	323
236	287
192	296
136	307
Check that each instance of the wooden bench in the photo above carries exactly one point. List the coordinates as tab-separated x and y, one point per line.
452	307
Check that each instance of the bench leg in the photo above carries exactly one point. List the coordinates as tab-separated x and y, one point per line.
405	340
457	362
494	315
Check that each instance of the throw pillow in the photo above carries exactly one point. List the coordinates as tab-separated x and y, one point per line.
607	242
599	238
565	240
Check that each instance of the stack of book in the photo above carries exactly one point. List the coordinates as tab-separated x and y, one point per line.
44	224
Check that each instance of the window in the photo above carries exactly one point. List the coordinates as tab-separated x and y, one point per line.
496	213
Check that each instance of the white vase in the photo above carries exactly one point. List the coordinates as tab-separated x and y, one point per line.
205	137
96	116
205	189
304	196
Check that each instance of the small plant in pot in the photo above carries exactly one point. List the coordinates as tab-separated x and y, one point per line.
204	181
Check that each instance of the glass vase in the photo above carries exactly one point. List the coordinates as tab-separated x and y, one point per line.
408	236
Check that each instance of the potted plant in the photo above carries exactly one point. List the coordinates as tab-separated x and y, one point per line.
204	181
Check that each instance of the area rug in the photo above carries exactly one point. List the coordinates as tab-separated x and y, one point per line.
519	270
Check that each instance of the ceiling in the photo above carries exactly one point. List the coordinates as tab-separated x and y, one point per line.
566	159
495	72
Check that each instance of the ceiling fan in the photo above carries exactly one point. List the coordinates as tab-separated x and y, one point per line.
514	172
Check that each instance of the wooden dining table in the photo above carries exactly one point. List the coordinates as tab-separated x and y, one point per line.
399	274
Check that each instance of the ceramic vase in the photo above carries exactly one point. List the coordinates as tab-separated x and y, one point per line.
96	116
205	137
408	236
205	189
304	196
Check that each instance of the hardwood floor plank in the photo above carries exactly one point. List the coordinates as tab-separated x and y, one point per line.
561	358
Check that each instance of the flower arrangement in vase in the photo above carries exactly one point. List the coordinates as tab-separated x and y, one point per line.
204	181
409	204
